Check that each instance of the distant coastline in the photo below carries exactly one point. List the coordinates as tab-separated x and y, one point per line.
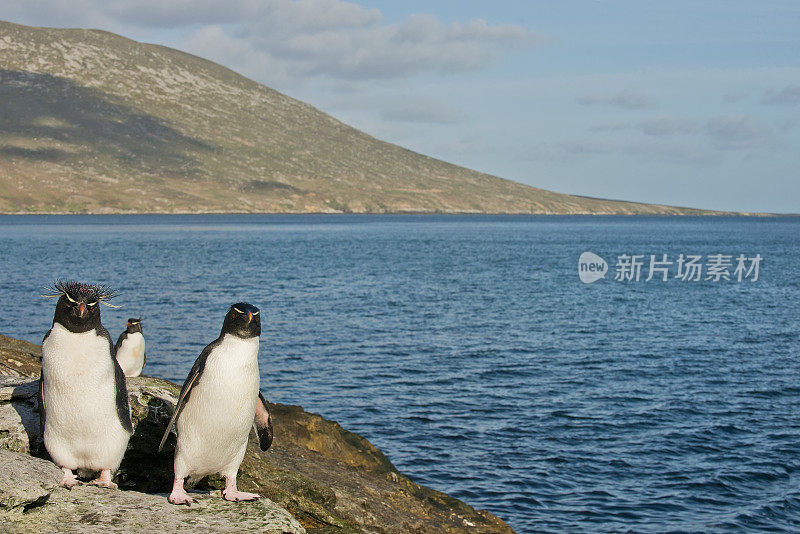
122	127
701	213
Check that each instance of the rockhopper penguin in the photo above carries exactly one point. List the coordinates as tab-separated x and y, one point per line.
219	402
130	348
83	398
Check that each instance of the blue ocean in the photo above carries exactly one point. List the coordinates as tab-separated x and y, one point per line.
468	349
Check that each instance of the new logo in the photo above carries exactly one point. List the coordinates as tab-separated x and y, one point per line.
591	267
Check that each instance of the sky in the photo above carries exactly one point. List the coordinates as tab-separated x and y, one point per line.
673	102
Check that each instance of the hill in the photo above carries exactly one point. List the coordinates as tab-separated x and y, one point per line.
94	122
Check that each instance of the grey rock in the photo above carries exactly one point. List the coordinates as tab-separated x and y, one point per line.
25	481
19	416
31	501
19	358
91	509
316	476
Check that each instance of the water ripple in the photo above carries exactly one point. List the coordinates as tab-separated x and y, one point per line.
468	351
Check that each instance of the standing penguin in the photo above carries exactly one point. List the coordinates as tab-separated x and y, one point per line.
130	348
219	402
83	398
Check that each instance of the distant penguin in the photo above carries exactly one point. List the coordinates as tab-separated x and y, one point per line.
219	402
130	348
83	398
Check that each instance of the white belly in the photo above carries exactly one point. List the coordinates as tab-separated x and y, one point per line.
82	429
131	354
215	422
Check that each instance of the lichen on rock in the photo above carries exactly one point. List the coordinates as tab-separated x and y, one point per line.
317	477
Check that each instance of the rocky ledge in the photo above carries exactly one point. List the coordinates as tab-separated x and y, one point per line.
316	478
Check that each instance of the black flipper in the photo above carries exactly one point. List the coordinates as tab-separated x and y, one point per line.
42	413
120	386
263	423
120	339
186	390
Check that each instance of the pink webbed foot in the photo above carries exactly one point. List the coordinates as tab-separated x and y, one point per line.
69	480
179	495
230	493
239	496
104	480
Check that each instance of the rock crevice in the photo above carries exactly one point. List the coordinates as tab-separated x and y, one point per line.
317	477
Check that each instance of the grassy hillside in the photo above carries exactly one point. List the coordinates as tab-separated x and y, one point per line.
93	122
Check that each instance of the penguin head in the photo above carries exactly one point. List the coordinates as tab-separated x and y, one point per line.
78	306
133	325
243	320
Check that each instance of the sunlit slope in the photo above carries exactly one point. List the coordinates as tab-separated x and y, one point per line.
93	122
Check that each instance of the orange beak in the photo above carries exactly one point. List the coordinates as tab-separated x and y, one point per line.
81	309
249	317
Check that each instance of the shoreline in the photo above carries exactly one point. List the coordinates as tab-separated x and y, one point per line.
703	214
322	476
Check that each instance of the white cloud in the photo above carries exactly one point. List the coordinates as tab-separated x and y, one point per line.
420	111
626	99
611	127
679	140
788	96
725	132
732	98
274	39
588	147
354	43
671	153
664	126
174	13
397	106
212	42
734	132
